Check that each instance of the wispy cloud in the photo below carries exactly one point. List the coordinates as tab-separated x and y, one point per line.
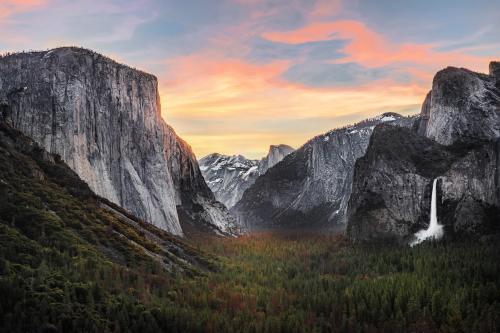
369	48
238	75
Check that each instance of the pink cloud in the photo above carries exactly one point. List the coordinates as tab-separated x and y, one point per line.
9	7
207	65
325	8
371	49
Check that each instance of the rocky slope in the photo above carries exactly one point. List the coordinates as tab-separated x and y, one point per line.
311	186
75	255
457	141
44	201
104	120
229	176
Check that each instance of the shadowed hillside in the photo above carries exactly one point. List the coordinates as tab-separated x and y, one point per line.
70	260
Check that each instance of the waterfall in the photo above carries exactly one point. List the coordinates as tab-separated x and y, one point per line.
435	230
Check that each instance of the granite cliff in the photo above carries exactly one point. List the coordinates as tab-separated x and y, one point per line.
455	140
104	120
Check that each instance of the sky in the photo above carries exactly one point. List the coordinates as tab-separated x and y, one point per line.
236	76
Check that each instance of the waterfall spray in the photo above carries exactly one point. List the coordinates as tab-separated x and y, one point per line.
435	230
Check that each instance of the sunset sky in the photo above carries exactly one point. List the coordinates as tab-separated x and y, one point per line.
238	75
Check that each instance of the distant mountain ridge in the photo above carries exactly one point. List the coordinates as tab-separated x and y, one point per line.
229	176
310	187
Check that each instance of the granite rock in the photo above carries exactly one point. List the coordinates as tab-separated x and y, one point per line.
103	118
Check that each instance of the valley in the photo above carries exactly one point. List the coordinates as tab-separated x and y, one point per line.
73	261
109	223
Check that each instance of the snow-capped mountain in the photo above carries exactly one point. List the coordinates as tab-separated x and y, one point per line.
229	176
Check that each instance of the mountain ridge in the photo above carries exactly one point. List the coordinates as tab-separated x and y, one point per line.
229	176
312	183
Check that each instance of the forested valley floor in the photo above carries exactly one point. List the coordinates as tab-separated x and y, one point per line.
261	283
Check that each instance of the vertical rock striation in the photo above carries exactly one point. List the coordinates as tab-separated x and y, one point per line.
275	154
104	120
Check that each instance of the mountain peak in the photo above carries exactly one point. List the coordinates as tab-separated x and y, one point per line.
229	176
275	155
452	109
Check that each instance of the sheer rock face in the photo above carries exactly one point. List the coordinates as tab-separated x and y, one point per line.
229	176
456	141
195	201
310	187
462	105
392	186
274	156
495	69
104	120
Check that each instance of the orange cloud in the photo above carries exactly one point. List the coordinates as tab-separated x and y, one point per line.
371	49
231	75
231	106
228	105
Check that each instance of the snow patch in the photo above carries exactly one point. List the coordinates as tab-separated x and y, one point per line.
48	54
250	171
387	118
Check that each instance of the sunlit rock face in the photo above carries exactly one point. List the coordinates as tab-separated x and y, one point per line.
103	119
229	176
310	187
455	139
274	156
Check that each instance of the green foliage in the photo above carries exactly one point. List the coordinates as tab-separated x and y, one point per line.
323	284
67	263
